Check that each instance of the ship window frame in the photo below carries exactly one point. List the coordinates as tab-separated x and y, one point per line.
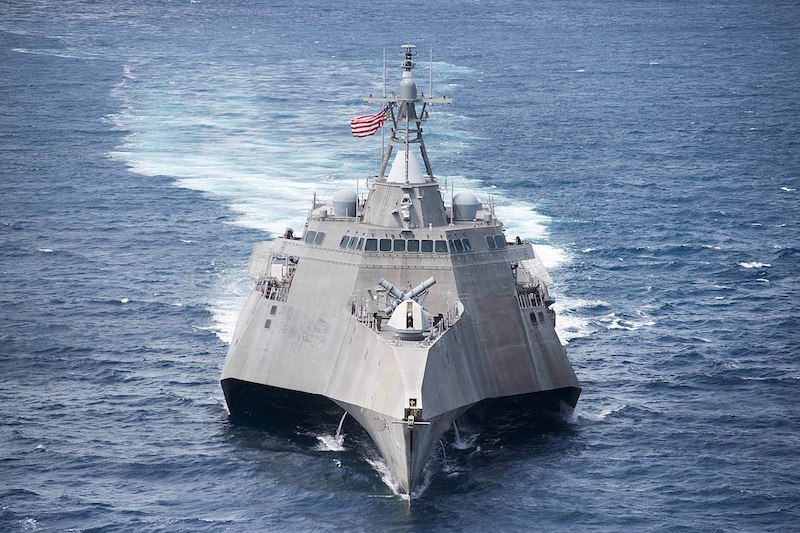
385	245
440	246
415	245
425	244
398	245
459	246
490	242
360	245
353	243
344	242
467	244
310	236
500	240
320	238
371	245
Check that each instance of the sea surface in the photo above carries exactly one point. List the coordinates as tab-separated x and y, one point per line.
650	150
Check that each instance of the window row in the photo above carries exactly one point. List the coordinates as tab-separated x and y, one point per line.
440	246
496	242
315	237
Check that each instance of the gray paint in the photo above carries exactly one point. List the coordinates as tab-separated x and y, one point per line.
316	335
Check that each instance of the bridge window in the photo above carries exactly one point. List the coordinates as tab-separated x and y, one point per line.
360	244
353	243
413	245
386	245
500	241
441	247
427	246
399	245
344	241
458	245
371	246
467	245
320	237
490	242
310	236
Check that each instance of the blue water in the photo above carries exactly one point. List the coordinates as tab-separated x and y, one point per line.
650	150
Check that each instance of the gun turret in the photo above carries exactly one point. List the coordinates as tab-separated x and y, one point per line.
400	297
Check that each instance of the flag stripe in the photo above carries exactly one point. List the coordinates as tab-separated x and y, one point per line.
368	124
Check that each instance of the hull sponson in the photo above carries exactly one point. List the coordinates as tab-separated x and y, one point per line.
262	405
324	353
526	406
469	364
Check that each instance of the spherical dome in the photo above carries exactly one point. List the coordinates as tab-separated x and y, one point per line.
466	206
344	203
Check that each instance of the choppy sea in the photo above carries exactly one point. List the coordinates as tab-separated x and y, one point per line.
649	149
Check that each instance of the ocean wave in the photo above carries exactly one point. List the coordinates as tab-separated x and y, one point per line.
52	52
754	264
576	317
613	321
583	415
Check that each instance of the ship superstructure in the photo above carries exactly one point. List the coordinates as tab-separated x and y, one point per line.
403	310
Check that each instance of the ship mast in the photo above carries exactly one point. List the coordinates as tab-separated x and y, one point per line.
406	124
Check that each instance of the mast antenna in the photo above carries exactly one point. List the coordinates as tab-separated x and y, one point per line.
383	128
430	76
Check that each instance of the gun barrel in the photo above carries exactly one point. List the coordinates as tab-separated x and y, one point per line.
393	291
419	289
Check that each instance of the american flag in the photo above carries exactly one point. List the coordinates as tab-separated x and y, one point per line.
369	124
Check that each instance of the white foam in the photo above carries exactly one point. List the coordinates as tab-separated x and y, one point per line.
28	524
123	300
613	321
572	322
228	297
754	264
379	465
330	443
787	189
46	250
462	441
588	413
551	256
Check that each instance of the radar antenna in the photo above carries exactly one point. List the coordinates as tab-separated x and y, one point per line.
406	124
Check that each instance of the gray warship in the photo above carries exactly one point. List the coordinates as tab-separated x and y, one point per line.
404	311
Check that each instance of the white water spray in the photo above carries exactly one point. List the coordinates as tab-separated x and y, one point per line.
334	443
